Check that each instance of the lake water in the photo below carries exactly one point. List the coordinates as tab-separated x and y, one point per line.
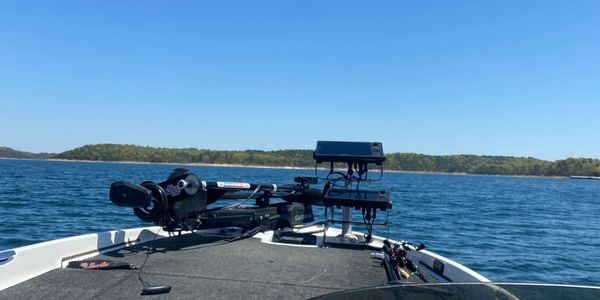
506	228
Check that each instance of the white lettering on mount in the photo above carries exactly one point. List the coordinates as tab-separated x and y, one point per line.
173	190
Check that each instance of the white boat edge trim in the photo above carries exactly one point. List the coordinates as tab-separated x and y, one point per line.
34	260
453	270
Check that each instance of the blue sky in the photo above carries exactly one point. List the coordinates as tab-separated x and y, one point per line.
515	78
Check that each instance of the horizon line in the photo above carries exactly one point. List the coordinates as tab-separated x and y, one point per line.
274	150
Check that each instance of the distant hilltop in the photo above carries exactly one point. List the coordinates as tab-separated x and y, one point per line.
6	152
411	162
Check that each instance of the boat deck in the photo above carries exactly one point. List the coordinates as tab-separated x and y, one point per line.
200	267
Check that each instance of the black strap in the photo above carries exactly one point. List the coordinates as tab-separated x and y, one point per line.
100	264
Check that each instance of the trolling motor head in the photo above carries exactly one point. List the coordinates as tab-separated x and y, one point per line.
127	194
180	184
163	201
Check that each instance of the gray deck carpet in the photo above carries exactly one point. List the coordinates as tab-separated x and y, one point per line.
202	268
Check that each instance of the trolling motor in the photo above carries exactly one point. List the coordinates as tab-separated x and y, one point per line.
181	202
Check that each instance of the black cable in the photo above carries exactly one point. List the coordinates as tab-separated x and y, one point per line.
380	174
334	181
242	202
151	245
161	289
317	174
242	236
368	227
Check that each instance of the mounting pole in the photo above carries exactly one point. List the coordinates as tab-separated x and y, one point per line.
347	215
347	235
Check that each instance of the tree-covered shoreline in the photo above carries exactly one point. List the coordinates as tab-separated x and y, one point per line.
6	152
411	162
469	164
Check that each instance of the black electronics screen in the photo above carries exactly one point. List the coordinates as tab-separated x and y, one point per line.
357	198
330	151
